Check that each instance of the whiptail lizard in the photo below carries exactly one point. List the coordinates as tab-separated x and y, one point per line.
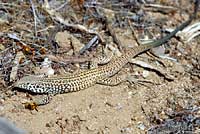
85	79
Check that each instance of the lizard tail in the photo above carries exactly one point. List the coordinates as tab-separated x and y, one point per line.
159	42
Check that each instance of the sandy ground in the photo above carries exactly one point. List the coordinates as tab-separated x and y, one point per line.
100	109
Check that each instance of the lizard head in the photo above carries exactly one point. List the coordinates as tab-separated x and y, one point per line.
31	84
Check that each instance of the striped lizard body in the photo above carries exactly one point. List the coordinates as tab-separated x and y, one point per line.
85	79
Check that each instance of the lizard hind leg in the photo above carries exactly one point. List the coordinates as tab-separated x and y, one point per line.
113	81
102	59
118	79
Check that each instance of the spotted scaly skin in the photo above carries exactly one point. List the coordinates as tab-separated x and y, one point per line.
85	79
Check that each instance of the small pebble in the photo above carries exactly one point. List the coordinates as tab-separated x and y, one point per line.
141	126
